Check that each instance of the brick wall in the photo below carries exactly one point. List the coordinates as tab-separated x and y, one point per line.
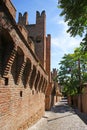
19	107
22	100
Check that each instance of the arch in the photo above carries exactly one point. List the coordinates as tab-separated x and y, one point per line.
6	48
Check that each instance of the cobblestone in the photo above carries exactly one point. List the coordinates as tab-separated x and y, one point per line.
62	117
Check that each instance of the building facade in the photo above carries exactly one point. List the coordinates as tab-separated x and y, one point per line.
27	87
56	89
24	68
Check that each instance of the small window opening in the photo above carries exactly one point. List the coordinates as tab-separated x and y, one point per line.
6	81
21	93
38	39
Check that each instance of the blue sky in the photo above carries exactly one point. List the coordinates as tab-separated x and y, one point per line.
61	42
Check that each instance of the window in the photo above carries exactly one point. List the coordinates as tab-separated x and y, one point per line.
38	39
6	81
21	93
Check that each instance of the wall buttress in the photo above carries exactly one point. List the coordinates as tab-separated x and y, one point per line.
38	85
30	73
35	79
21	72
42	85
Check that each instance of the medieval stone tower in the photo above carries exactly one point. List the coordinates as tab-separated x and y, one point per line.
42	44
37	32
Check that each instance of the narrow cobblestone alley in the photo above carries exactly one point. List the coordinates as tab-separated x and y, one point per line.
62	117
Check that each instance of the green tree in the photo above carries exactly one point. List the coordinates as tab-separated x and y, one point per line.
75	14
73	67
73	71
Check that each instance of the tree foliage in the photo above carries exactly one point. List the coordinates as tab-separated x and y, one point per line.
75	14
73	71
73	67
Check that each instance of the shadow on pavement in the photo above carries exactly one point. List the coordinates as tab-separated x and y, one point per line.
63	107
82	116
60	117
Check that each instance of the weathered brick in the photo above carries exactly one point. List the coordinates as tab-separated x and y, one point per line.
21	106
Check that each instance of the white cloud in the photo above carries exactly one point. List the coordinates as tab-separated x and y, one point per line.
65	43
60	22
62	43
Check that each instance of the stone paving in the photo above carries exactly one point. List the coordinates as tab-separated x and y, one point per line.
62	117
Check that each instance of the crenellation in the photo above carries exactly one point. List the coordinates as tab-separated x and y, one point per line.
37	14
23	19
43	13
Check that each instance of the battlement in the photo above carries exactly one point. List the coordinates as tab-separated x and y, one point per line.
40	16
42	13
23	19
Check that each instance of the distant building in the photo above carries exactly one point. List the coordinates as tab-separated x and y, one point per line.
56	91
